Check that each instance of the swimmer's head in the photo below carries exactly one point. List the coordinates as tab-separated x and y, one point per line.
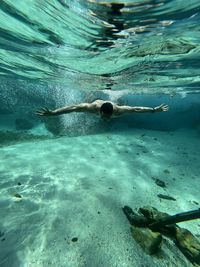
106	111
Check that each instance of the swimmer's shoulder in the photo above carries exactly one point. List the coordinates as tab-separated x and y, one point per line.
98	102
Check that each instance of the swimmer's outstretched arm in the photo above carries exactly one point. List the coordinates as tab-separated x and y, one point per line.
75	108
129	109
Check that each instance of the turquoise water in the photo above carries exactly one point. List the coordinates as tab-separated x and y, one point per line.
149	44
69	176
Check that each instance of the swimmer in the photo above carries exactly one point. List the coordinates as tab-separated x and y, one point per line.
105	109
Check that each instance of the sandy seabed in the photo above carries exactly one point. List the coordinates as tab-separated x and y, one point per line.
76	187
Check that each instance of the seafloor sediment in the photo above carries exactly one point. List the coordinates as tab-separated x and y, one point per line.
61	199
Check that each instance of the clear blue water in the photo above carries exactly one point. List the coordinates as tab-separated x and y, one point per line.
69	168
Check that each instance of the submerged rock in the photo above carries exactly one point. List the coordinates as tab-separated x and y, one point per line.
159	182
148	234
17	195
195	202
152	213
149	241
74	239
188	244
166	197
166	171
134	218
1	234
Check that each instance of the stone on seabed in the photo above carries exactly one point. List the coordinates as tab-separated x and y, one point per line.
149	241
188	244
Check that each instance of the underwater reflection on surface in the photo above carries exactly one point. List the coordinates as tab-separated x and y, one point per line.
134	44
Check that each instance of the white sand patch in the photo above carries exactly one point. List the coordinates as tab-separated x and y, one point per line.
76	187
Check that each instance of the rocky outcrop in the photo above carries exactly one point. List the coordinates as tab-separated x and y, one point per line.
149	224
149	241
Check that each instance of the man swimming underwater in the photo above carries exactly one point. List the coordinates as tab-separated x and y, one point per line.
106	109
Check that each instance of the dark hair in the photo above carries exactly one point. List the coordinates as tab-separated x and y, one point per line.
107	108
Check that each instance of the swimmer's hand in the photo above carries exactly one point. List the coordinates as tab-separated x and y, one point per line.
161	108
45	112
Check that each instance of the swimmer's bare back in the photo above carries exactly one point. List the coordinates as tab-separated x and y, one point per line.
95	107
